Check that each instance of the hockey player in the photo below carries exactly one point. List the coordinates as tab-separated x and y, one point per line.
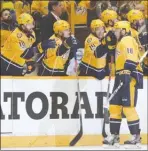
6	25
109	17
55	59
17	50
91	65
139	32
136	18
126	98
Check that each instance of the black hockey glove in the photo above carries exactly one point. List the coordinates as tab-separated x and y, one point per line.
29	67
110	41
70	42
46	44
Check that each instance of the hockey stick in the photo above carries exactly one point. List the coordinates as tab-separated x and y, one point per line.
142	58
113	94
106	112
80	133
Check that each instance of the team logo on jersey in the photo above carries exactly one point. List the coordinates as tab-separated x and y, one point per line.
22	45
89	40
19	35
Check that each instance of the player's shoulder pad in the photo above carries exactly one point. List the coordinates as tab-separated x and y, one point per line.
134	32
91	39
57	39
128	39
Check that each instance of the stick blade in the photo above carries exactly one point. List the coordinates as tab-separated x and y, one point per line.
76	138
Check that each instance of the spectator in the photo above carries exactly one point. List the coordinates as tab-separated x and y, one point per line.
38	9
7	25
55	11
22	7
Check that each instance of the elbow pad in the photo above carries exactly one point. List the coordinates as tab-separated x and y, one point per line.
29	53
101	50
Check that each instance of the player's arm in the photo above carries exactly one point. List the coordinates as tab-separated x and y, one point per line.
131	53
70	43
40	48
130	67
108	45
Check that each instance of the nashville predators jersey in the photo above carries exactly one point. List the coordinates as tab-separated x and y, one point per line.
134	34
40	6
21	7
89	59
126	50
5	31
15	45
51	61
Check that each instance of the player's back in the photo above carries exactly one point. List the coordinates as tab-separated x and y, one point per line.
127	49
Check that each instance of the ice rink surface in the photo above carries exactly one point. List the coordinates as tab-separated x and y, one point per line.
143	147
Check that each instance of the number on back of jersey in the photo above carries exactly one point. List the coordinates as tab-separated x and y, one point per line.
130	50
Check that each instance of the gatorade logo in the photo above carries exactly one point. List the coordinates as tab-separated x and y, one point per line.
50	102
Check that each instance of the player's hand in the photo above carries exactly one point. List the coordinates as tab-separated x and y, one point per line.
50	43
29	67
110	41
125	77
46	44
71	41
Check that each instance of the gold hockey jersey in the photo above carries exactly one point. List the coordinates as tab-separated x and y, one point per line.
89	59
127	50
5	31
15	45
52	61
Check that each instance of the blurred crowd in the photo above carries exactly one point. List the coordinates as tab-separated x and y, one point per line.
46	13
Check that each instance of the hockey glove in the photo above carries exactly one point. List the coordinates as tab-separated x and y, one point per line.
70	42
110	41
125	77
46	44
29	67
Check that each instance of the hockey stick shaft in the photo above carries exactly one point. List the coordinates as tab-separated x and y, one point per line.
110	75
80	133
106	112
115	92
142	58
